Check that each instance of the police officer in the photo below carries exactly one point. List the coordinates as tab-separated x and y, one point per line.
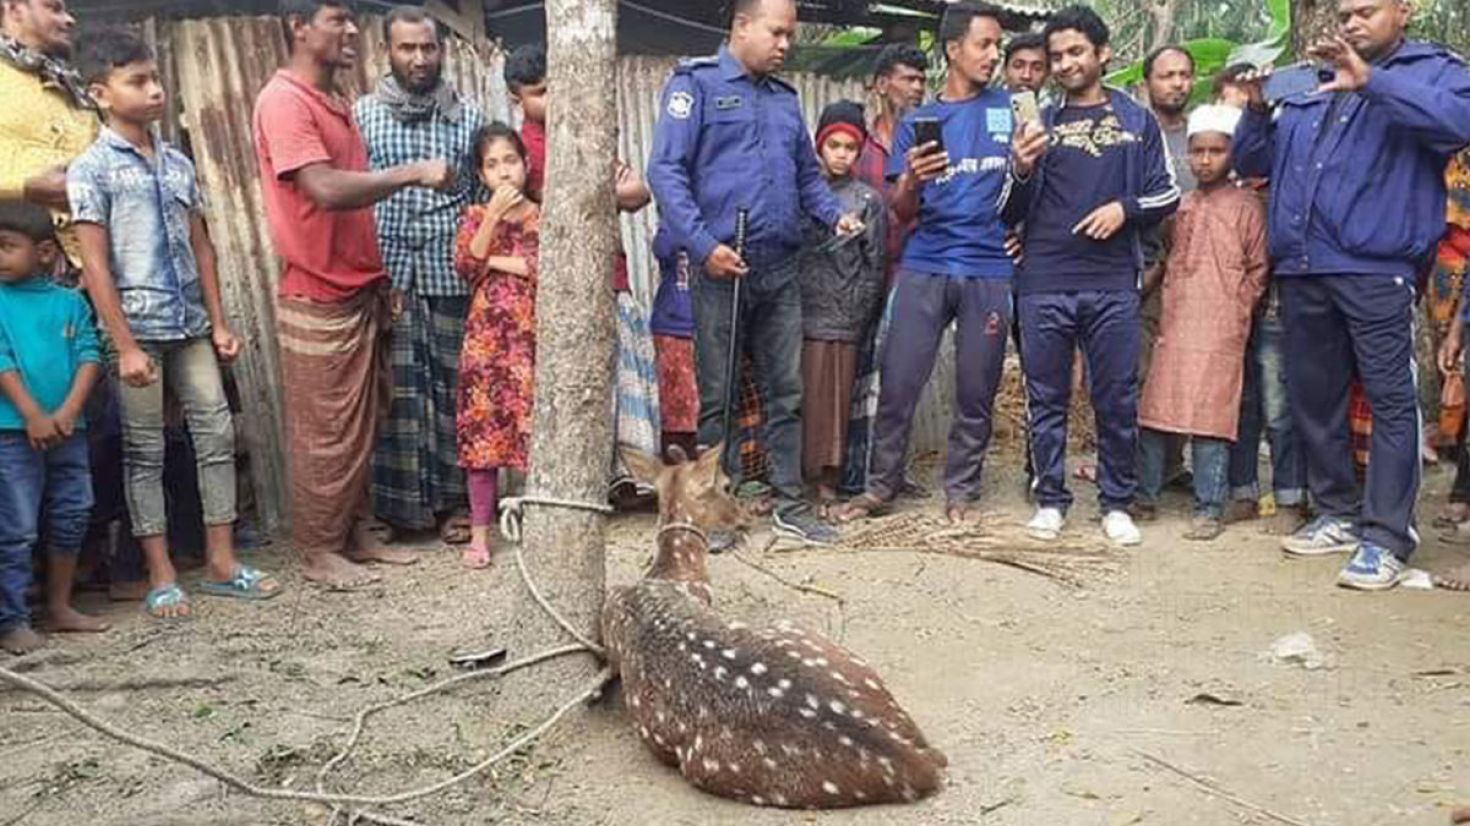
1357	172
731	138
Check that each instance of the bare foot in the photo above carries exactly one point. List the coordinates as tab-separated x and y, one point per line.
68	620
337	572
956	513
127	591
22	640
1456	580
1460	815
475	556
364	548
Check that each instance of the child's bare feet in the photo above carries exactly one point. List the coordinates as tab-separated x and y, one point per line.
337	572
65	619
1287	520
1458	579
365	547
476	555
21	640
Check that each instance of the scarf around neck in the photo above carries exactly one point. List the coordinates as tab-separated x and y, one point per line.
53	73
407	107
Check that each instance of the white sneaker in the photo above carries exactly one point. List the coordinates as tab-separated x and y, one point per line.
1119	527
1046	525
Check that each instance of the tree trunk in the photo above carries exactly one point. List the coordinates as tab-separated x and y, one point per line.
571	441
1311	20
1163	13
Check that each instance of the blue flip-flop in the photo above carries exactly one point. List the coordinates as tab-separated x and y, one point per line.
165	596
244	584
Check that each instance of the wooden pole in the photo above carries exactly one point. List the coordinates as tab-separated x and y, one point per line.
572	430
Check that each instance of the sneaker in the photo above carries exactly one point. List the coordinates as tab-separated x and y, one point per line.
1372	568
1322	536
1046	525
1119	528
801	523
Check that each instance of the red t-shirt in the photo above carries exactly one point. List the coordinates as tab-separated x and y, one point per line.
330	256
533	135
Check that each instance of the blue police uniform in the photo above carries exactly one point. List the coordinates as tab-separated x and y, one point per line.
727	140
1357	207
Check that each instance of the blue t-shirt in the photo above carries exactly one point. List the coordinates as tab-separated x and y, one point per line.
46	335
1085	168
960	232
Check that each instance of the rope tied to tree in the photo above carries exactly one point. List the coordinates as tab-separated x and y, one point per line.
513	511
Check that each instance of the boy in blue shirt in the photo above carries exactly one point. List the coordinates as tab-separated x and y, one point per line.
149	267
48	364
954	267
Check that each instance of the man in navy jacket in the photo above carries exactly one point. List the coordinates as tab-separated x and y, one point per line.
1085	200
1358	204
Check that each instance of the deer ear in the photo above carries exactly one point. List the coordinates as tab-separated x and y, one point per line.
708	462
644	467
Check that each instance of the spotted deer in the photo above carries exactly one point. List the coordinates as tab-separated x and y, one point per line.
778	716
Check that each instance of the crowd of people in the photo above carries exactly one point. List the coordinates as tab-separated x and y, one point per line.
1208	274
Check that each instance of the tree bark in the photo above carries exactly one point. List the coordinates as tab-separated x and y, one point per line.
1311	20
572	434
1163	13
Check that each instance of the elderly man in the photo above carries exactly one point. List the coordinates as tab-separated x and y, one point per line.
414	115
47	119
1358	199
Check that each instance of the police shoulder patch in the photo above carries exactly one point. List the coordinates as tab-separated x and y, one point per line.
681	105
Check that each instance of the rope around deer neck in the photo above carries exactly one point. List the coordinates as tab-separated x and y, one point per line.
685	527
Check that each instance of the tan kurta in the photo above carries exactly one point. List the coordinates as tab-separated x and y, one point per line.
1215	273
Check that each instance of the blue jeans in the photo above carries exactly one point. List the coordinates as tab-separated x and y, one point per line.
1263	406
1211	462
769	331
55	485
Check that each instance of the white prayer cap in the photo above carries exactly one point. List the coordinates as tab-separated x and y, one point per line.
1213	118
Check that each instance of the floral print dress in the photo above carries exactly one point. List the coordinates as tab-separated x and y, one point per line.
498	360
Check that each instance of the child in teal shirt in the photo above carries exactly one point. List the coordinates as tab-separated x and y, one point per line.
49	361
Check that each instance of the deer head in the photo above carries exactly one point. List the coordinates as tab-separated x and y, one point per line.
692	495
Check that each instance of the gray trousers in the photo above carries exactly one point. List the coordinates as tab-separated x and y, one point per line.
923	307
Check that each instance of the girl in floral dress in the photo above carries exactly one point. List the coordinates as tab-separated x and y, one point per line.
496	252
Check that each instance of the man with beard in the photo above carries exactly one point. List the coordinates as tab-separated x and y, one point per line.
954	268
334	311
1357	171
1085	182
47	119
1168	74
730	137
415	115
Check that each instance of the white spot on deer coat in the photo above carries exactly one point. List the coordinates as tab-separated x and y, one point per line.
837	707
729	653
811	700
742	683
758	669
829	787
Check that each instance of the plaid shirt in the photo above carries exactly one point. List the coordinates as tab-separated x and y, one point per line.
416	226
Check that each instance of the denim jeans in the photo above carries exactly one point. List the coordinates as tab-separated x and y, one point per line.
769	330
1211	462
188	369
1263	406
56	485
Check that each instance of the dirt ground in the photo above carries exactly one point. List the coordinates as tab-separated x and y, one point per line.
1055	705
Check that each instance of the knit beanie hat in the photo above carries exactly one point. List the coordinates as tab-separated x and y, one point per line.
843	116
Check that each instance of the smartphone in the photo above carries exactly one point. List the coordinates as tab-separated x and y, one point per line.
1026	108
1297	79
926	130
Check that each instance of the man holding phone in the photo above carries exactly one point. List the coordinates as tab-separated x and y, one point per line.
731	138
948	168
1085	182
1358	204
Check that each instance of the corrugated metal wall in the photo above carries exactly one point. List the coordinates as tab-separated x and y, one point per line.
220	66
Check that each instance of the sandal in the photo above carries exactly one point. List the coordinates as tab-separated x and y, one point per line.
864	506
475	557
1204	529
455	530
165	597
247	583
